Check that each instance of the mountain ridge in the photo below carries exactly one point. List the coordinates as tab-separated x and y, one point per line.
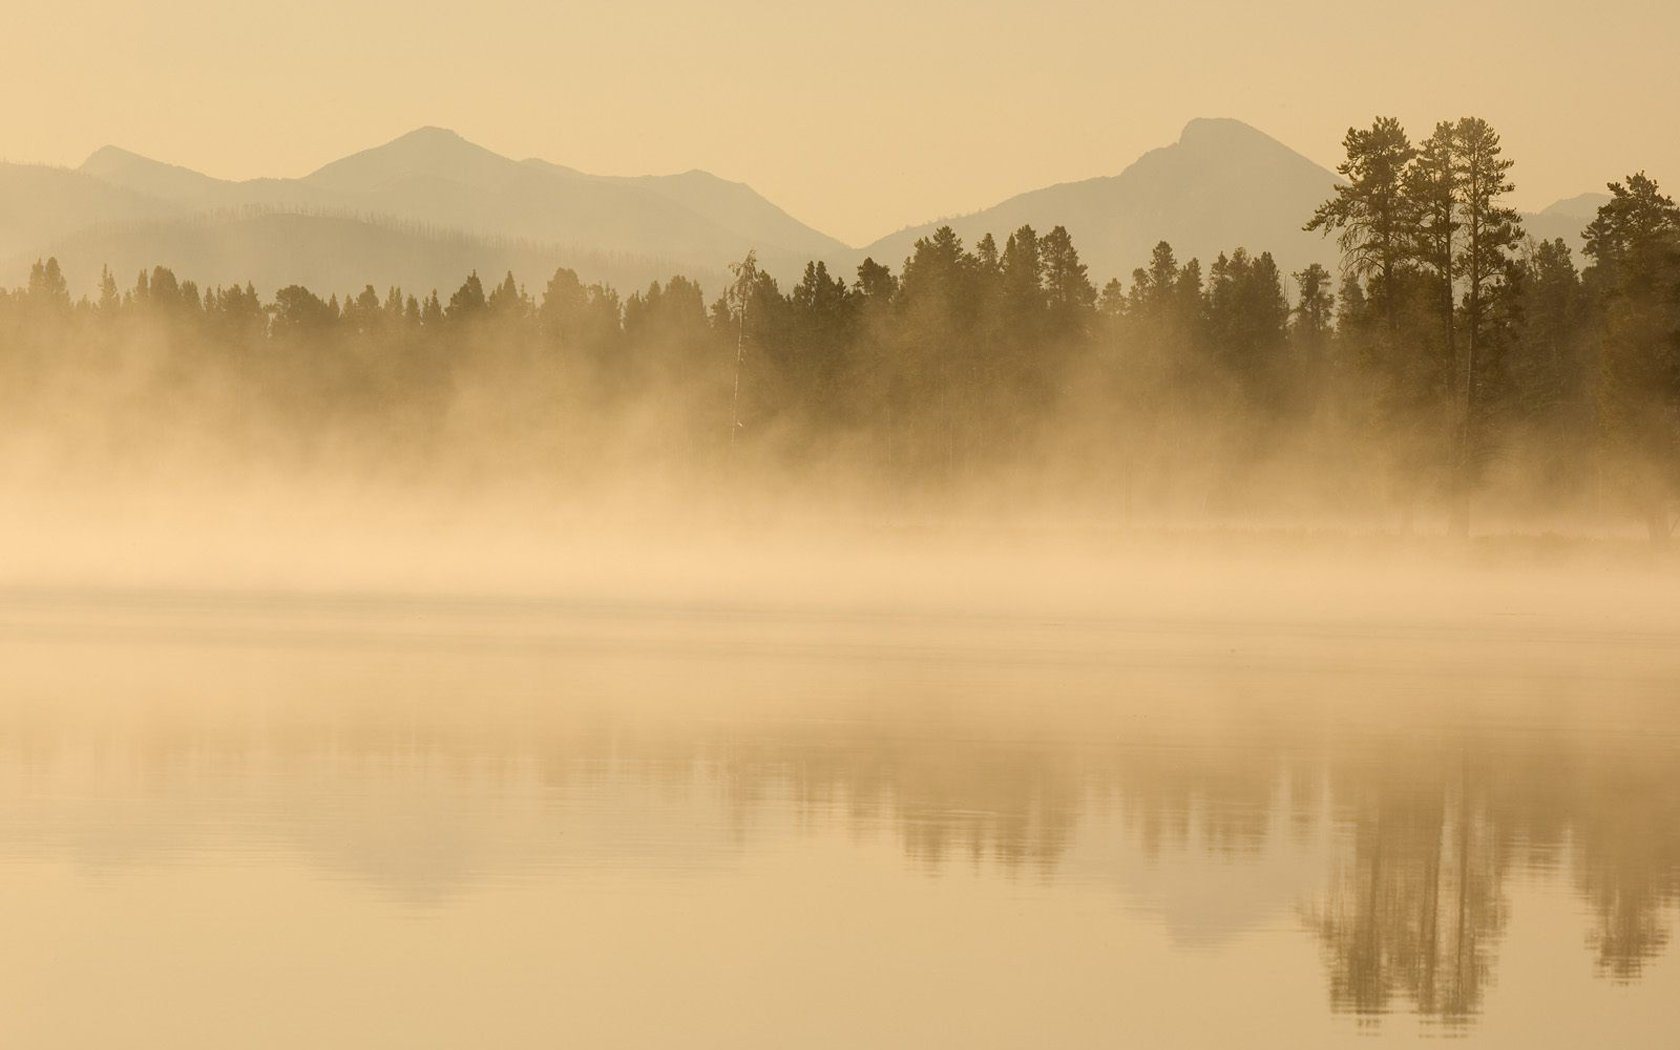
632	229
1222	184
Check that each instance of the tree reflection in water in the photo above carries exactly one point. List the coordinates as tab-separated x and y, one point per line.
1408	838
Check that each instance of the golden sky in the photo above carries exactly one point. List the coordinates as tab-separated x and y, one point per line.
858	117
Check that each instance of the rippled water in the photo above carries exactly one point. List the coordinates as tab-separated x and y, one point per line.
271	820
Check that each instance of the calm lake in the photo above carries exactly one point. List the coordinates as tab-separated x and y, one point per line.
251	819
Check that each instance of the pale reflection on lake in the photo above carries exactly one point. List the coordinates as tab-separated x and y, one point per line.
279	821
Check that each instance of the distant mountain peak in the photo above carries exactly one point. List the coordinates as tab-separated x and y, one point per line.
700	176
130	170
1222	133
107	160
1580	206
430	139
109	156
425	152
1223	185
1223	128
431	133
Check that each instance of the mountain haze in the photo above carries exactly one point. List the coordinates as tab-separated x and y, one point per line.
1583	207
340	254
1222	185
39	204
425	208
1566	219
454	203
170	182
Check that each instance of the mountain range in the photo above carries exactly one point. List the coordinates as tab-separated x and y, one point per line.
424	209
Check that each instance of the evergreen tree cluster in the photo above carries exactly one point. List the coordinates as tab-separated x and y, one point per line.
1481	343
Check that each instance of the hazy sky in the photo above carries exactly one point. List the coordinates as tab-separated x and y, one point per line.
858	117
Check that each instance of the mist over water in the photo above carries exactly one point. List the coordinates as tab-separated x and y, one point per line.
498	713
1165	815
963	650
517	712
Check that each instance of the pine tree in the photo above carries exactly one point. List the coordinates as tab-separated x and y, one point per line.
110	300
1314	315
1068	290
431	312
1491	232
468	300
1551	387
1634	243
1435	185
1372	212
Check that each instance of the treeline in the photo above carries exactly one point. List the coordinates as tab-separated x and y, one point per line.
1453	358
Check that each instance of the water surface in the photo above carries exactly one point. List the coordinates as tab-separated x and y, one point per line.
268	819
